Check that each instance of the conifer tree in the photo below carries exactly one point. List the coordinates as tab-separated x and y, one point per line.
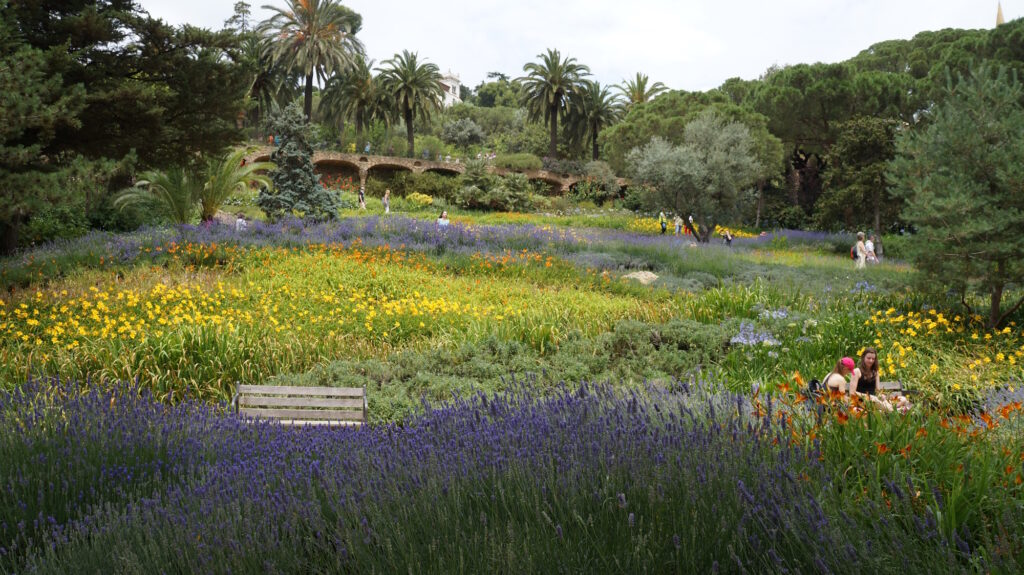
296	190
962	177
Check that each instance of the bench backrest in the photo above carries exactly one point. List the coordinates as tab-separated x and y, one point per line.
890	386
295	405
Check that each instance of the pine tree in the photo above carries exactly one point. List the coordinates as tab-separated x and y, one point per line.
962	177
296	190
33	106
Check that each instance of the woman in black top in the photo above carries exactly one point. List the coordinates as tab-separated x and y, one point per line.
865	377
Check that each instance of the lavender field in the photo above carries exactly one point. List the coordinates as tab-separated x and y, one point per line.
679	479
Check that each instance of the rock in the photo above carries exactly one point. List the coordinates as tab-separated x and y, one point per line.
643	277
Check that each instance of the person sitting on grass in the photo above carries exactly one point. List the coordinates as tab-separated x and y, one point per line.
865	384
835	381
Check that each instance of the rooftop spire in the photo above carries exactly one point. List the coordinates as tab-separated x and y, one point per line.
999	15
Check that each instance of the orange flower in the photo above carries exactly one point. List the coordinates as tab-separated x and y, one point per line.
798	379
882	448
1009	469
987	419
921	432
905	452
842	418
784	388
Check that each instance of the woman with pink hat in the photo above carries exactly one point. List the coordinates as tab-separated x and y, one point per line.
836	380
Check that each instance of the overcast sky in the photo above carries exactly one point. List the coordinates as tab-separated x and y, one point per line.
687	44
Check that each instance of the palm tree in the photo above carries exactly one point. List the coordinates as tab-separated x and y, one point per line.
415	88
174	192
271	84
547	88
314	36
637	92
358	95
227	175
593	108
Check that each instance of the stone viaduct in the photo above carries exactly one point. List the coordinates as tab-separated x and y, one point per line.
324	161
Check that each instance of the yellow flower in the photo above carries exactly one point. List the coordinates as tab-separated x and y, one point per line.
956	386
933	368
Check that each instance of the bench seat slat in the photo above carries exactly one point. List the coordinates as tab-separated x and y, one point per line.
318	422
288	390
890	385
324	414
277	401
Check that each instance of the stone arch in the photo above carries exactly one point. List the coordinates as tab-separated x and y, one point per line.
442	170
388	168
554	184
335	171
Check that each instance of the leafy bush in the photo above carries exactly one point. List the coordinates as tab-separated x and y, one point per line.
520	161
792	218
463	133
429	147
572	167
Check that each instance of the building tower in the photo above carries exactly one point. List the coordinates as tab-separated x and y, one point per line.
999	15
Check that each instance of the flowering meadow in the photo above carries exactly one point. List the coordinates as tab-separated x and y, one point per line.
684	477
531	408
415	312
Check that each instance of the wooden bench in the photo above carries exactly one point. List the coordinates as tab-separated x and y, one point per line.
896	387
293	405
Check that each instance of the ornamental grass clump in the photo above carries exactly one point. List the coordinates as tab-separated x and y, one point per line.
680	479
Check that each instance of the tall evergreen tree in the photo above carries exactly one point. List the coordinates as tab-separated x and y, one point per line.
962	178
33	106
296	189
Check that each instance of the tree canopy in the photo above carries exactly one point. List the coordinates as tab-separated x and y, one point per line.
961	177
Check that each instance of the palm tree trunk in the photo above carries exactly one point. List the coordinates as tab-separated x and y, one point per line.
307	105
408	131
594	143
553	145
359	134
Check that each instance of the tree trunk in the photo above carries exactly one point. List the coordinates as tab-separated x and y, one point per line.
408	131
359	135
553	144
307	105
596	155
996	299
760	203
879	251
9	237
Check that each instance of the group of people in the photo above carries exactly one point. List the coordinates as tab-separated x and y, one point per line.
864	251
680	228
386	200
853	379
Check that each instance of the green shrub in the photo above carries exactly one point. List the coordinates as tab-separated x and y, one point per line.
520	161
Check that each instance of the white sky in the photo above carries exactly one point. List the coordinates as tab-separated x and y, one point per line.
687	44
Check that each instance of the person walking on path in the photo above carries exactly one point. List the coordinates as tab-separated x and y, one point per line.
860	252
869	247
362	198
678	221
663	221
386	200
